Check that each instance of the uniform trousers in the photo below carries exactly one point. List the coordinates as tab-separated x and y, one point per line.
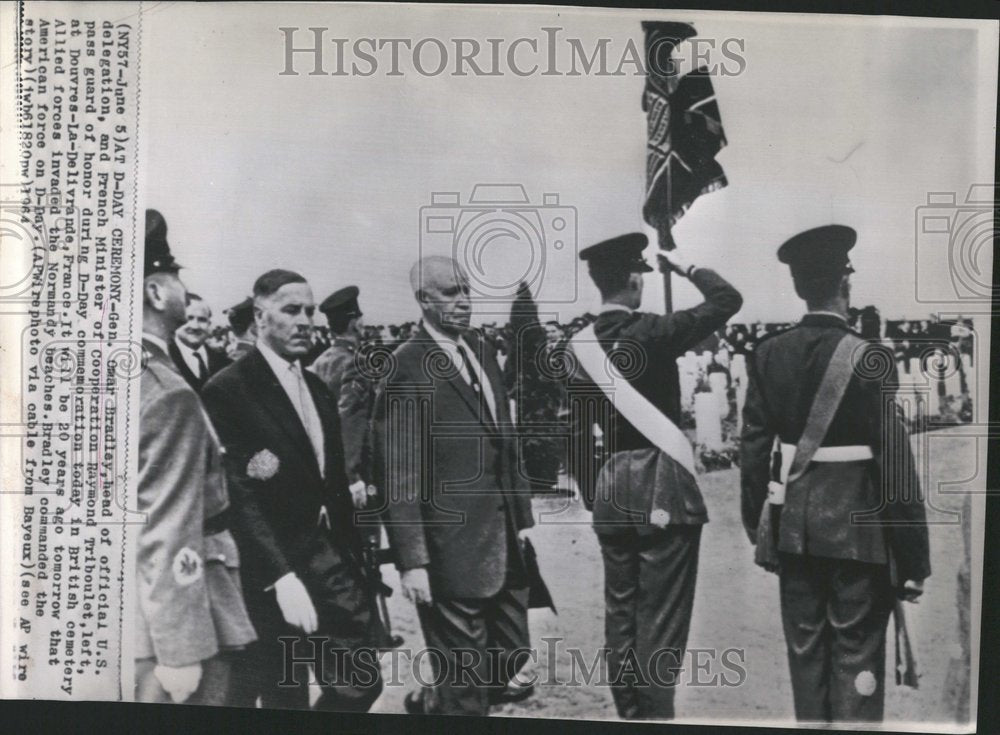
649	582
835	612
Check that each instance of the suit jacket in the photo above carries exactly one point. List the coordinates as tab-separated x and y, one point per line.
190	599
455	496
277	510
784	374
338	368
216	361
634	487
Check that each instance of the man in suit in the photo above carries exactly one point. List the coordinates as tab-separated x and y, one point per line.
454	517
647	508
188	348
243	327
852	534
191	615
293	516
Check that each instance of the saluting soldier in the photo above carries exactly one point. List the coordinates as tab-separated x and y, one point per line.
851	533
647	508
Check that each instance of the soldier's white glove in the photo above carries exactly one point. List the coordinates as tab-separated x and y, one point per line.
912	589
180	682
416	586
359	494
675	261
295	603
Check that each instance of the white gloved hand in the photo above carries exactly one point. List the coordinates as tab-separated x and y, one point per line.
180	682
912	589
359	494
676	261
295	603
416	586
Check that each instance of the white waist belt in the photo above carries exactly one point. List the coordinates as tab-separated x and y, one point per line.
851	453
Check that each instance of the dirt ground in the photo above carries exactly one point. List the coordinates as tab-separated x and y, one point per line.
736	606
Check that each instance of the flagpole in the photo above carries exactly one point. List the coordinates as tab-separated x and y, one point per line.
668	304
665	241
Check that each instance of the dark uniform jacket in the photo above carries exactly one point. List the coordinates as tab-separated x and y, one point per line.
645	347
784	374
455	495
338	368
190	600
277	512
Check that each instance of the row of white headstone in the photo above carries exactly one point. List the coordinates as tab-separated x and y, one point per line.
918	393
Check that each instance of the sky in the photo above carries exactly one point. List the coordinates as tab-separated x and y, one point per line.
830	119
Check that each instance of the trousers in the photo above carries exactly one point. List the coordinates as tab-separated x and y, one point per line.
477	645
834	613
649	583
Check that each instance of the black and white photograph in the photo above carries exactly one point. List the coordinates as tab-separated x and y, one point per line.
507	361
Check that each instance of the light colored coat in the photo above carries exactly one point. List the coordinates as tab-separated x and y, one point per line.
190	603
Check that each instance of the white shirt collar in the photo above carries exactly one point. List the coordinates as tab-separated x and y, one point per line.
440	337
606	308
278	363
185	349
828	313
451	346
156	341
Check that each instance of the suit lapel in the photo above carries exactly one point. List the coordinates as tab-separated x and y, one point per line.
182	366
491	370
274	399
458	383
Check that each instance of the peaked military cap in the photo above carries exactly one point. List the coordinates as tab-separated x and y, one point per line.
241	316
343	302
820	251
157	252
623	253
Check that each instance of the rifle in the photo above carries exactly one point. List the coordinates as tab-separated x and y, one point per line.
374	558
906	662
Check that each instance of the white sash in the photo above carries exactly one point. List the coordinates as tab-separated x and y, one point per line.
630	403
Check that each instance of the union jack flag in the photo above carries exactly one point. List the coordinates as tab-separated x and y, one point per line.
684	131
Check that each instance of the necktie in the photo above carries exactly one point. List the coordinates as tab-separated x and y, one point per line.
313	431
202	368
474	381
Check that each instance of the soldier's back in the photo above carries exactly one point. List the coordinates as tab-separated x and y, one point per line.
790	366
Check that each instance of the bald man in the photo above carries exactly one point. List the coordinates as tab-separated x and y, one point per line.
454	517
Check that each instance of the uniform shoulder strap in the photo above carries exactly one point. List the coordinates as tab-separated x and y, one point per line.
630	403
825	404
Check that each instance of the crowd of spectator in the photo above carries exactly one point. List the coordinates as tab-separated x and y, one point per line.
909	338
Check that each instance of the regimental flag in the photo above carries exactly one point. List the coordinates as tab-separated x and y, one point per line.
684	131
